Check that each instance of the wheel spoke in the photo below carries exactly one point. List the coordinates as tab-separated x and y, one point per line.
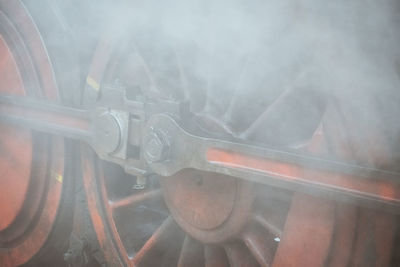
159	236
271	210
184	93
308	231
191	253
271	226
238	255
215	257
283	122
136	199
259	245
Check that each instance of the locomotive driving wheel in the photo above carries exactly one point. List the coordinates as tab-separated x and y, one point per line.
197	218
191	219
34	183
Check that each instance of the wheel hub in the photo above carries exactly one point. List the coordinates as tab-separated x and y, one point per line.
210	207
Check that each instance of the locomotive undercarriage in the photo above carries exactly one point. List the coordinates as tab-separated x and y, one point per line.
178	170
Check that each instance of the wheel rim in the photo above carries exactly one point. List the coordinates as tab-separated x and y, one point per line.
11	207
31	178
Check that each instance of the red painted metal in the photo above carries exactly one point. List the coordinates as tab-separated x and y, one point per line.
194	204
15	181
203	200
61	120
383	190
307	234
213	219
30	184
105	235
374	230
210	207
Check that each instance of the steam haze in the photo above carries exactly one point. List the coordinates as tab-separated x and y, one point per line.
271	74
234	59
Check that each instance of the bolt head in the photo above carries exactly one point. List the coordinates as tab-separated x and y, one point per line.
156	147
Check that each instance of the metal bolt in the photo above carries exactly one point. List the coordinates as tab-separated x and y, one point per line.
68	256
156	147
140	182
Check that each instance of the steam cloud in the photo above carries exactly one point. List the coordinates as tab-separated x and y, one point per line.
233	59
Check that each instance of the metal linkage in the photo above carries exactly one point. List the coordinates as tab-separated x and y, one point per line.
44	116
165	148
104	129
286	169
